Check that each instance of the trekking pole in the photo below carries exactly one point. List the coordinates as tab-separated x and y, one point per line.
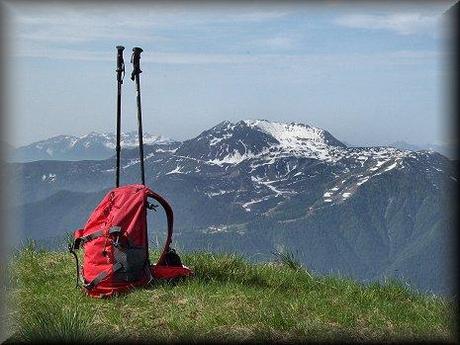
120	75
135	60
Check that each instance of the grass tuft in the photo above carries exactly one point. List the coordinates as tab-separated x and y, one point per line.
57	321
288	259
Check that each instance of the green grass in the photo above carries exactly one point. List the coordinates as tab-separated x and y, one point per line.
228	299
288	259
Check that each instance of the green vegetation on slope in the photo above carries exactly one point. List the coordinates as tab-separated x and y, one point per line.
227	299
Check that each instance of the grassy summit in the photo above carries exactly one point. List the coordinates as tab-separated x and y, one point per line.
228	299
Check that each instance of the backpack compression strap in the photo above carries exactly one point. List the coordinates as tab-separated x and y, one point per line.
101	276
78	242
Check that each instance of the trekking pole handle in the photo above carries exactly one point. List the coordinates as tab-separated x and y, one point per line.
135	60
120	64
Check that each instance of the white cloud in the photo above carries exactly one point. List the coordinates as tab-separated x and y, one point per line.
401	23
50	26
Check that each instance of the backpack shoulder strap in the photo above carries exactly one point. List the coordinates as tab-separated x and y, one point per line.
170	220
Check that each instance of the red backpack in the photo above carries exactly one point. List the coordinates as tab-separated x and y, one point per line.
115	244
114	239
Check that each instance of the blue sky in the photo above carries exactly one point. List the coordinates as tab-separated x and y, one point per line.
369	73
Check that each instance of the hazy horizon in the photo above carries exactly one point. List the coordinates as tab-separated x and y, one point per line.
204	129
367	73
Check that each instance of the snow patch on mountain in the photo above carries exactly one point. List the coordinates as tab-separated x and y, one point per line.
234	158
392	166
50	177
346	195
254	201
289	135
298	139
177	170
220	192
215	141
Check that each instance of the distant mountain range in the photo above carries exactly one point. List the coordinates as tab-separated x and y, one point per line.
99	146
254	186
450	151
91	146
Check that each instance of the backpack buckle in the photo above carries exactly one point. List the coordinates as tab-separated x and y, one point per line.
152	206
116	243
115	230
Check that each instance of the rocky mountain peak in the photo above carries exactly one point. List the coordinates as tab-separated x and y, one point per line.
229	143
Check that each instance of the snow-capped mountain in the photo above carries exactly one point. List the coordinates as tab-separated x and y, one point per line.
255	185
234	143
277	161
90	146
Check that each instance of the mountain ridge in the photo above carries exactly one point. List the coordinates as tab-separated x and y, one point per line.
61	147
94	145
